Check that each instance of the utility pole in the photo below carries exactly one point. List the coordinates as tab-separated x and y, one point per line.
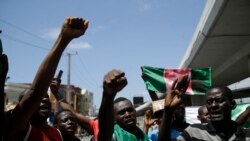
68	93
68	79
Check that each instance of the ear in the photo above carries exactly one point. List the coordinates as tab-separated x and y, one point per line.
233	104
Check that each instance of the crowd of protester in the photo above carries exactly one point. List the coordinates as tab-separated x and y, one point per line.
117	116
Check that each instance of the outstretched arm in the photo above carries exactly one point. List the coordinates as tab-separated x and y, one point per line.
3	73
113	82
173	99
72	28
243	117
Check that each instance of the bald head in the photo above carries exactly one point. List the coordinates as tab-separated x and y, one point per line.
203	115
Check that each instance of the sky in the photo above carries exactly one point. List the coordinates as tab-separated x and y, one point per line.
122	34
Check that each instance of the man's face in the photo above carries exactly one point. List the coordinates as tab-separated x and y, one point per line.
66	123
179	113
45	107
125	114
218	105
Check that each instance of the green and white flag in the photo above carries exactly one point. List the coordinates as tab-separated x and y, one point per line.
160	80
240	108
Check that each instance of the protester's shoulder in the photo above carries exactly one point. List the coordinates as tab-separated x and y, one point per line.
185	125
51	129
203	126
198	131
93	121
48	126
246	131
197	125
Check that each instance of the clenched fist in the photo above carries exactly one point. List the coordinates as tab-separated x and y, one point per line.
113	82
74	27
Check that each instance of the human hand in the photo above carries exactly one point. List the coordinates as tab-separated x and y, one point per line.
74	27
113	82
54	87
174	96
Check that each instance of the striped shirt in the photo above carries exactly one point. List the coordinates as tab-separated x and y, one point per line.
206	132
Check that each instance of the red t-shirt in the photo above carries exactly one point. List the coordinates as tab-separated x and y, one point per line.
94	129
44	133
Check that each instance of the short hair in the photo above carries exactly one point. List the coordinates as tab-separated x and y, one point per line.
119	99
224	89
57	115
200	109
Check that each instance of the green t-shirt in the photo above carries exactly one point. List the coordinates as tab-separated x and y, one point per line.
123	135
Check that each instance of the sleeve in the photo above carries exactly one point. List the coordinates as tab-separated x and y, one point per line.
28	133
94	128
91	127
